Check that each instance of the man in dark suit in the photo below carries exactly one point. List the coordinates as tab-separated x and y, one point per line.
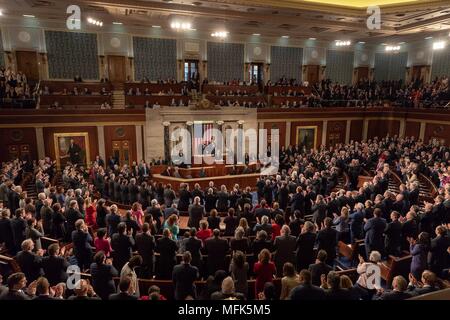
398	292
112	220
167	249
73	215
145	245
82	245
16	283
427	284
217	249
319	268
30	262
7	232
284	247
54	266
126	290
393	234
42	290
47	216
81	292
306	290
439	259
122	243
19	225
263	210
374	229
327	240
183	277
196	213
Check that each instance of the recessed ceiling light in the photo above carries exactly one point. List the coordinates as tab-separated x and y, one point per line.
256	34
361	42
427	38
403	42
312	39
156	26
384	44
1	12
286	37
28	16
117	22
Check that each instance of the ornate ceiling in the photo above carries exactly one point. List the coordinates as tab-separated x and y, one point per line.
326	20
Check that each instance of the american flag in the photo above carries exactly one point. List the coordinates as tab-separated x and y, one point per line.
202	135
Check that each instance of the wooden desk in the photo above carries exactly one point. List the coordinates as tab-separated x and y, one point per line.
154	87
59	86
162	100
68	100
243	180
363	179
222	88
285	89
232	99
279	100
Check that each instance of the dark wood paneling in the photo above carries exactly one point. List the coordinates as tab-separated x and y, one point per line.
27	63
17	138
336	132
318	124
281	126
117	68
50	143
412	129
437	131
356	130
380	128
120	133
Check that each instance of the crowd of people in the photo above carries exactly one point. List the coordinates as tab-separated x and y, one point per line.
287	226
15	90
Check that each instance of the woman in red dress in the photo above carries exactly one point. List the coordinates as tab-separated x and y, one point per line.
264	270
91	213
204	232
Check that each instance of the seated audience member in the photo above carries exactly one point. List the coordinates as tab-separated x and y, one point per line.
102	273
227	291
398	292
289	281
183	277
54	265
16	283
154	293
426	285
264	270
306	290
42	290
332	287
319	268
84	292
126	290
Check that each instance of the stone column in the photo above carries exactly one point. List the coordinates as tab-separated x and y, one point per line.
139	152
288	133
422	131
101	142
324	133
401	130
166	125
347	131
220	142
365	128
40	142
